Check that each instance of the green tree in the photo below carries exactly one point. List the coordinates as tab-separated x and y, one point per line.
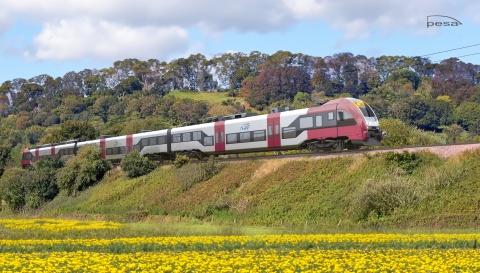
135	165
468	115
12	190
80	130
83	170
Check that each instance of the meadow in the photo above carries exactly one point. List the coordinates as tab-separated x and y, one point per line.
53	245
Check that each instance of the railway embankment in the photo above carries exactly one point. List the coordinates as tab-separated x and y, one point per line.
419	188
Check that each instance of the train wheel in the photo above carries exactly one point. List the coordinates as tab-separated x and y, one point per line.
339	145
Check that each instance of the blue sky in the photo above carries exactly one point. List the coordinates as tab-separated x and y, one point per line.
55	37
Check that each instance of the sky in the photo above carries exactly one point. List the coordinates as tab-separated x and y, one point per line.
55	37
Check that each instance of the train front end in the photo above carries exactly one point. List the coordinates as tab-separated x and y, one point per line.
372	134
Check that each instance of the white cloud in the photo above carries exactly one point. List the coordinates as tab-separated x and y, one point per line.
115	29
102	40
358	19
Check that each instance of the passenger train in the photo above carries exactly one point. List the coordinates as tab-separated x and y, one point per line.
345	123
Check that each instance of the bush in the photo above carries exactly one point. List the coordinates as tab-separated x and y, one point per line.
191	174
83	170
380	199
135	165
181	160
405	161
12	190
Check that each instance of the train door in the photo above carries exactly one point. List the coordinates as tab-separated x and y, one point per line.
219	136
102	147
273	130
129	143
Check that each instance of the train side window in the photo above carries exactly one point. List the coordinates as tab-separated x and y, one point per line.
231	138
306	122
176	138
162	140
115	150
342	115
277	129
108	151
330	115
270	131
208	141
259	135
186	137
122	150
153	141
318	121
289	132
144	142
196	136
245	137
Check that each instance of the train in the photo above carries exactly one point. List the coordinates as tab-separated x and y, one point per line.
344	123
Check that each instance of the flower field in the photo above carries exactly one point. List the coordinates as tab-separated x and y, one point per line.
261	253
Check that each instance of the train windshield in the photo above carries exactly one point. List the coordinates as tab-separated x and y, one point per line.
365	108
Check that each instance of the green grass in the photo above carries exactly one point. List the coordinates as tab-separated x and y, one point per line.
348	193
211	97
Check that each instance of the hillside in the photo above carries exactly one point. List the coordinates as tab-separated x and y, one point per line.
392	190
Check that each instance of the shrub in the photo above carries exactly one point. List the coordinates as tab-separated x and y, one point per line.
181	160
83	170
380	199
406	161
40	183
12	190
135	165
191	174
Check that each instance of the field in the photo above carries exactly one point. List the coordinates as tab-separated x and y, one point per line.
48	245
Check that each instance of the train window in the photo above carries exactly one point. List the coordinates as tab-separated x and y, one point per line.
115	150
144	142
216	137
108	151
61	152
186	137
152	141
277	129
318	121
222	137
176	138
121	150
306	122
259	135
270	133
162	140
196	136
330	115
341	116
231	138
208	141
245	137
289	132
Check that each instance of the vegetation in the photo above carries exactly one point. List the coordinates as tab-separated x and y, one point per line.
135	165
82	171
418	103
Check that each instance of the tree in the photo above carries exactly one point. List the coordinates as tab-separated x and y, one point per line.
40	183
12	190
127	86
468	115
83	170
79	130
135	165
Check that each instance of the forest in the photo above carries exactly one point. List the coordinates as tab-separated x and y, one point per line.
134	95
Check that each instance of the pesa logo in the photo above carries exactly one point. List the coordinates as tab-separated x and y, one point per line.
245	127
431	22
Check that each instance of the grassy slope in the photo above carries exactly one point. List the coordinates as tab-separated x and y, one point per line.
325	192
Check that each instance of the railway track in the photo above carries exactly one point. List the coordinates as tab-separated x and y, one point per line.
444	150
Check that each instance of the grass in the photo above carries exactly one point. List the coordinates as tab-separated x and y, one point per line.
347	193
211	97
